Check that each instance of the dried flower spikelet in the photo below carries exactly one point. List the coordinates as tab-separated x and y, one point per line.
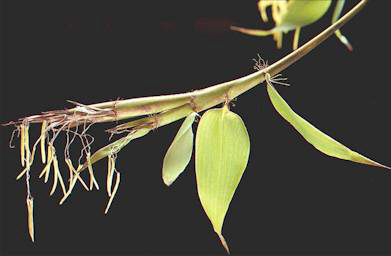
30	217
64	190
55	178
50	161
83	183
72	172
43	136
47	167
113	192
27	145
32	156
70	167
22	143
28	161
73	182
110	172
23	172
91	171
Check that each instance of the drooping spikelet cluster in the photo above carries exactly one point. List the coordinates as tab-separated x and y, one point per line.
49	132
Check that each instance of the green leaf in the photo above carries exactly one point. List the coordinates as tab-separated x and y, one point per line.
222	151
318	139
179	153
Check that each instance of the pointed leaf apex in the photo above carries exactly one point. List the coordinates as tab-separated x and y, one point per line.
356	157
224	243
167	181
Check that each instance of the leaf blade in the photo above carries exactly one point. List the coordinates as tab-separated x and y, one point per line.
179	153
314	136
222	151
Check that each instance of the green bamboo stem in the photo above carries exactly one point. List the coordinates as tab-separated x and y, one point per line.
206	98
199	100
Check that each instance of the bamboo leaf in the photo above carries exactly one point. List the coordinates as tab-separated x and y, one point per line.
222	151
179	153
318	139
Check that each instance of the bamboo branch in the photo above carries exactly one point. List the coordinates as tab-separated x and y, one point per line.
206	98
199	99
211	96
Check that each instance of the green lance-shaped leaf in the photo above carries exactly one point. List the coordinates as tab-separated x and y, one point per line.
179	153
318	139
222	151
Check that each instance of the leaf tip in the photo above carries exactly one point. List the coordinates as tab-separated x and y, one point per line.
381	165
224	243
167	181
364	160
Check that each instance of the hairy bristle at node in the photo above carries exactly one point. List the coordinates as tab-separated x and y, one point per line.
261	64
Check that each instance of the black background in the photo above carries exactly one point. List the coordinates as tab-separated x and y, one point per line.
292	199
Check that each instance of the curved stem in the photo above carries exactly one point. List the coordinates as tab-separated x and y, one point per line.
206	98
199	100
211	96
